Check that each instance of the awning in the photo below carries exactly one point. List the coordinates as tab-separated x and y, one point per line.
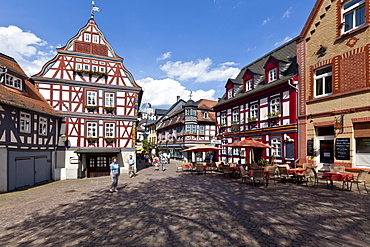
98	151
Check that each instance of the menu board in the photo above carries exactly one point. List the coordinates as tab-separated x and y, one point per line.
310	147
342	148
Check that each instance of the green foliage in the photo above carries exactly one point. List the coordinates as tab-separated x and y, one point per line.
262	162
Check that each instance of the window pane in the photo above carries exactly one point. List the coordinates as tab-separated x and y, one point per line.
360	16
319	89
348	23
328	85
351	3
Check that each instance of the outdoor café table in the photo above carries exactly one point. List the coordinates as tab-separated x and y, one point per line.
345	177
235	170
296	171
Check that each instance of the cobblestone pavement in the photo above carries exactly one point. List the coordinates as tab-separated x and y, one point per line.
180	209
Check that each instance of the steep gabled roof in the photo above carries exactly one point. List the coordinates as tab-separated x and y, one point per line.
29	98
310	19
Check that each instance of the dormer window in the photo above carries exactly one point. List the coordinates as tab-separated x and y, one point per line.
272	75
205	114
353	15
230	93
249	85
13	82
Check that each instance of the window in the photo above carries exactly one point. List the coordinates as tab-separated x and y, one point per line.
86	60
201	130
323	81
253	111
275	106
102	69
109	99
25	123
230	93
96	39
95	68
95	62
223	118
235	116
276	143
109	130
92	129
78	59
236	151
78	66
272	75
353	14
194	129
102	63
187	112
87	37
91	98
13	82
249	85
205	114
43	126
188	128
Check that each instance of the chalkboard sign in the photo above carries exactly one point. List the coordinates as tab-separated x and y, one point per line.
310	147
342	148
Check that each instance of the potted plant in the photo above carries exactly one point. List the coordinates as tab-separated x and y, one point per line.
252	119
273	114
109	109
91	108
90	139
234	122
109	139
221	124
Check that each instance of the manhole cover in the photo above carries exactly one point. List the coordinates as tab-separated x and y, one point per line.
325	194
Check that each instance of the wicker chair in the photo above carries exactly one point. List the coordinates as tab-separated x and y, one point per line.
258	175
273	172
361	178
243	174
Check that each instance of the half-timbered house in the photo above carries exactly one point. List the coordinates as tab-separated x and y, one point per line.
186	124
28	130
261	103
98	97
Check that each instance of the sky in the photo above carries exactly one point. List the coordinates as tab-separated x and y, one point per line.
171	47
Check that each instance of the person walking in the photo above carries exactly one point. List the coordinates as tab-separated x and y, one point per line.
155	162
131	166
114	173
163	161
146	157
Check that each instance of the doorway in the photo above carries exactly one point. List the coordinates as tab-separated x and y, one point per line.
98	165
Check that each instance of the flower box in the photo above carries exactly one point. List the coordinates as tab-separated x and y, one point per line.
252	119
91	139
109	109
91	108
110	139
273	115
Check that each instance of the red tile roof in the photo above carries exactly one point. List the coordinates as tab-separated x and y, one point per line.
30	98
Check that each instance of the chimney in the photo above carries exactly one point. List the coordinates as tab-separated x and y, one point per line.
178	98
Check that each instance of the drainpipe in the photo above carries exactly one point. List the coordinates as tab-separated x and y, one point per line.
298	128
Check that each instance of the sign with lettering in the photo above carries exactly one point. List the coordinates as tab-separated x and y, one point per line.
342	148
310	150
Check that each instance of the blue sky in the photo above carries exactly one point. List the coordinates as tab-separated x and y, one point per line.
171	47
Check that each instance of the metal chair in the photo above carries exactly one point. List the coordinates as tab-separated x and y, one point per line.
243	174
318	178
361	178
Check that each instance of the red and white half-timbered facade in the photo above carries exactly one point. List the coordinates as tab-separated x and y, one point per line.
98	97
261	103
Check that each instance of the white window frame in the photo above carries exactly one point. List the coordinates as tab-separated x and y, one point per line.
235	116
95	68
272	74
275	105
202	130
102	69
86	67
43	126
223	118
188	128
95	39
253	111
109	130
13	82
109	99
24	122
205	114
230	93
352	12
323	78
79	66
92	129
276	142
87	37
91	98
187	112
249	85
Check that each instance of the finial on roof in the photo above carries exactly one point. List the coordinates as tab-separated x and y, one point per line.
94	9
191	93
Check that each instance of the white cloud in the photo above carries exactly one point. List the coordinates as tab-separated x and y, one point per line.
26	48
200	71
287	13
265	21
164	56
165	91
286	39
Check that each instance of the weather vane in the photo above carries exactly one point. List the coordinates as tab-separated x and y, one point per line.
94	9
191	92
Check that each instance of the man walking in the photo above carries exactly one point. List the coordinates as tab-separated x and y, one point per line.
114	172
131	166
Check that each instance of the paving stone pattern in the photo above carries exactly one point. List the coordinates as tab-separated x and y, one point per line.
181	209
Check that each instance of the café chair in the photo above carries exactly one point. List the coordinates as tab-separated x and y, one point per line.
258	175
199	169
273	172
283	173
361	178
226	171
307	176
337	169
318	178
243	174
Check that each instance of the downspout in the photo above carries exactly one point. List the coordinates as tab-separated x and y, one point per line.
298	128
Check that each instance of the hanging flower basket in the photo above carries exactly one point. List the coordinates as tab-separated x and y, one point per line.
91	139
91	108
